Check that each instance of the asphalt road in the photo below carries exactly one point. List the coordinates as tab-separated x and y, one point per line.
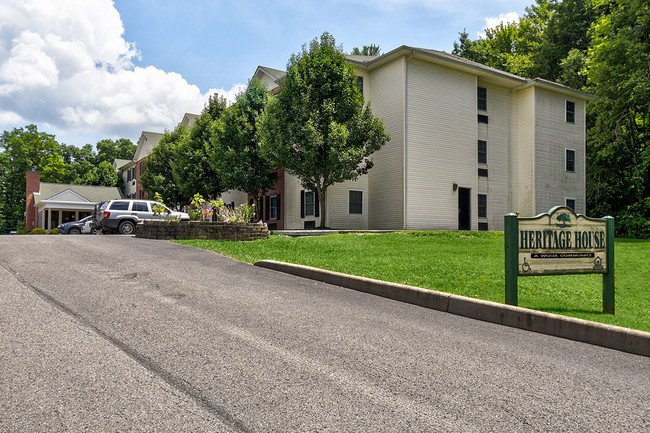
114	333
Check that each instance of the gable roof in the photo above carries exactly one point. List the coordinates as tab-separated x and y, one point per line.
80	193
486	73
146	143
189	119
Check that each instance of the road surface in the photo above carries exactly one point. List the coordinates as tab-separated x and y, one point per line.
114	333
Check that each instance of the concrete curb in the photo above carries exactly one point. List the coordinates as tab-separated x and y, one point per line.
613	337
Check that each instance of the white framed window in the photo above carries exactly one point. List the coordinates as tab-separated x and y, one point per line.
481	95
570	160
482	152
355	202
273	211
309	203
570	112
570	203
482	205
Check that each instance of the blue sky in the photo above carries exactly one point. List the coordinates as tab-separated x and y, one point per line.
85	70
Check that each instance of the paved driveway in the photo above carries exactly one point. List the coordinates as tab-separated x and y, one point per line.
114	333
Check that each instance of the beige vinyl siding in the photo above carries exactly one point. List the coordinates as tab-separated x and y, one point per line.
233	195
292	188
554	135
441	148
384	89
525	154
338	216
497	135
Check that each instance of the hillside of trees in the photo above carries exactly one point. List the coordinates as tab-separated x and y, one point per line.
601	47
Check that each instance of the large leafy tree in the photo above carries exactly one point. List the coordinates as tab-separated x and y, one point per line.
236	150
158	176
319	128
618	70
367	50
109	150
192	168
22	150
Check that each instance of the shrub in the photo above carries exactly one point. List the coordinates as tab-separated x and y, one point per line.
54	232
243	213
38	231
20	228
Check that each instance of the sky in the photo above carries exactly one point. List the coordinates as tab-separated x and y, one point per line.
87	70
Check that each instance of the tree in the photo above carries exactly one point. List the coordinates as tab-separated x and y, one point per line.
236	150
367	50
618	71
319	128
158	177
192	168
22	150
110	150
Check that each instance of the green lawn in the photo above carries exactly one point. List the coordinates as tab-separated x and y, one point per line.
464	263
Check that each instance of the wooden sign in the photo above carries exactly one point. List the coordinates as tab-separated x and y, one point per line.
559	242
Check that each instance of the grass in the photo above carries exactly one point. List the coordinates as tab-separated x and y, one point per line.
463	263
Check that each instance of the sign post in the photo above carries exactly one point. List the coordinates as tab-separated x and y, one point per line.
559	242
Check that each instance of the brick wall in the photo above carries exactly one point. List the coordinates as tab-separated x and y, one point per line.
151	229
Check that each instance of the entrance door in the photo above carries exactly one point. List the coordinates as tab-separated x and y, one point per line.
464	209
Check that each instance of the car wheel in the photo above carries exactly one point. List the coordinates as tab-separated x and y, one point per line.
74	231
127	227
93	231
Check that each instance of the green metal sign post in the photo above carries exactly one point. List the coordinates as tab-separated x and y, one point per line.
559	242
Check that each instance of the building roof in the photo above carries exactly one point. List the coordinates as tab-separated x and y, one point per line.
87	193
146	143
453	61
189	119
118	164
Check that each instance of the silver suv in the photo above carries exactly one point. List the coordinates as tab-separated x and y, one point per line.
123	215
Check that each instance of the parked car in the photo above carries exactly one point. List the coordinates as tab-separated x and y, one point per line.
75	227
122	216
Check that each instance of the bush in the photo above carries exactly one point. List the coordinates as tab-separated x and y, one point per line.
20	228
54	232
38	231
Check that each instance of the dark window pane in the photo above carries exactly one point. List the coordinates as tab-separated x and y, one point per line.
570	160
120	205
482	152
482	118
482	98
356	202
482	206
570	112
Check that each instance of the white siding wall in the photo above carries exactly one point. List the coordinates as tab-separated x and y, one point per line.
441	145
239	197
552	136
384	88
523	166
496	133
338	216
292	220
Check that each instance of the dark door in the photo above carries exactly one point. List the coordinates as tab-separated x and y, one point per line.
464	209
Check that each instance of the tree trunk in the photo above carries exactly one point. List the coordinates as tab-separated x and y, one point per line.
323	213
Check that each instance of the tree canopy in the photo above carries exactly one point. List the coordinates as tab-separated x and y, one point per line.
319	127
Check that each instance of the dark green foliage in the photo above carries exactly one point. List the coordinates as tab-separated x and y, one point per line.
192	169
158	176
319	128
235	146
367	50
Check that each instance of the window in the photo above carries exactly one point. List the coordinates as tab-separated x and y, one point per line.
482	98
309	203
139	206
355	202
482	205
483	227
482	118
483	172
570	159
570	203
360	83
274	207
570	112
128	175
141	168
120	205
482	152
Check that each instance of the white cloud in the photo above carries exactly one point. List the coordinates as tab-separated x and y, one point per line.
66	64
492	22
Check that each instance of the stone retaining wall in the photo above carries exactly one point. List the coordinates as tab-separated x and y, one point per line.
152	229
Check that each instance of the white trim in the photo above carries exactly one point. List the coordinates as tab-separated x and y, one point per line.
566	160
362	202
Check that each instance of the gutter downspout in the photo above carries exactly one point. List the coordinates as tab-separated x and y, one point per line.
405	135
